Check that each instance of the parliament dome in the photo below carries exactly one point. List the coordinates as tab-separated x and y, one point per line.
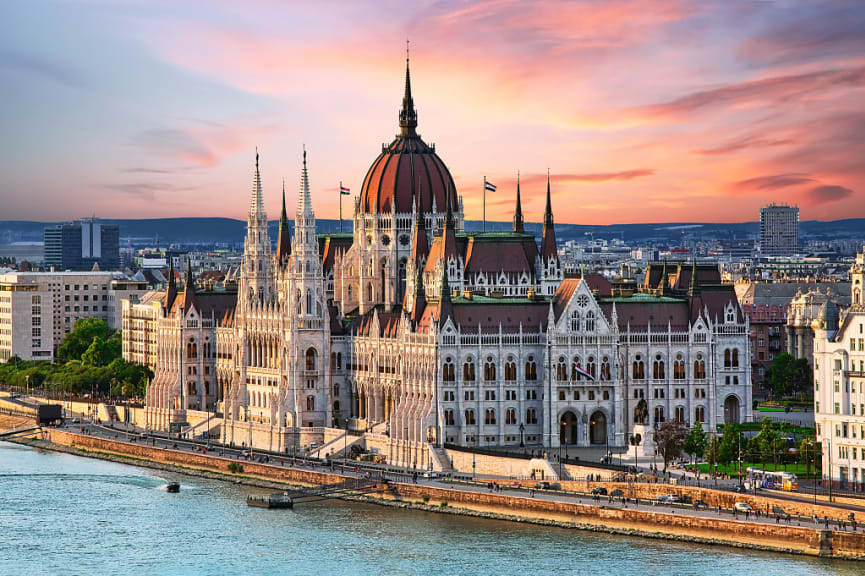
391	183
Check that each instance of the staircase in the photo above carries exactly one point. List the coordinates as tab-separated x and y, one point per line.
337	446
197	431
440	460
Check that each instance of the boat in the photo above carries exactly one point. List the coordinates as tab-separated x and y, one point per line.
173	487
280	500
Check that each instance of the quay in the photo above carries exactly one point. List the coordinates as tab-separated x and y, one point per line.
563	509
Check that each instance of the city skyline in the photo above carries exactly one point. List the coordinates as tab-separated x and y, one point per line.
131	109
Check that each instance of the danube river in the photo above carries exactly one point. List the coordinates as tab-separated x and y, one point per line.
62	514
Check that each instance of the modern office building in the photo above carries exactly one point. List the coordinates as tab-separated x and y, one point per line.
81	244
779	230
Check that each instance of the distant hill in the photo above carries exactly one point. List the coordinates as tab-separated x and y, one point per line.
231	232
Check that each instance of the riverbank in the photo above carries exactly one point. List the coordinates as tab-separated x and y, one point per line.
641	522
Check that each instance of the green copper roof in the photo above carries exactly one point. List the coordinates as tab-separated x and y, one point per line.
476	299
641	298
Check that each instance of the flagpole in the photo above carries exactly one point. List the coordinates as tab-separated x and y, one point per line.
340	206
485	204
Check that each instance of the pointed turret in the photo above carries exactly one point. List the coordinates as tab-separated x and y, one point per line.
449	236
304	206
444	304
171	288
548	240
256	204
407	115
188	287
283	242
519	225
420	246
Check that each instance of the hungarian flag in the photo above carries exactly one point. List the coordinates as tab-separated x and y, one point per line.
583	372
489	186
344	191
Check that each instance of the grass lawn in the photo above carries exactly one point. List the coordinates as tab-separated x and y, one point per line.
732	468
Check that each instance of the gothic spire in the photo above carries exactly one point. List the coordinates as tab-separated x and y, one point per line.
171	289
256	205
407	115
519	226
305	205
283	242
189	287
548	240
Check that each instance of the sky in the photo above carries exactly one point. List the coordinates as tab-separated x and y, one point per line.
642	110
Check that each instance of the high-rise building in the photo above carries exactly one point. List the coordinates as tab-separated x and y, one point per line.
81	244
779	230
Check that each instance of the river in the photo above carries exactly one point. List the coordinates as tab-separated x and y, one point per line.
63	514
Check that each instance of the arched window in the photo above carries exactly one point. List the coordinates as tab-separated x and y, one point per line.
658	368
679	368
310	358
310	303
727	358
339	359
369	292
735	357
470	417
700	414
680	414
590	367
605	368
575	369
469	370
449	417
659	414
699	368
590	321
531	369
448	370
531	416
511	416
350	295
490	416
639	372
510	369
310	403
575	321
489	369
561	370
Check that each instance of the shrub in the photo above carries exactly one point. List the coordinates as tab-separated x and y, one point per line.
444	504
425	498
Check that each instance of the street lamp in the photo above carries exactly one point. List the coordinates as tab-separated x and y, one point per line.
564	439
522	429
345	447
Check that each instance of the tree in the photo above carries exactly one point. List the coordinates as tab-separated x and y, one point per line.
669	438
728	450
76	342
789	376
695	443
768	439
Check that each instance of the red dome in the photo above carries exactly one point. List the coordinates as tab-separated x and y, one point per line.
393	179
391	183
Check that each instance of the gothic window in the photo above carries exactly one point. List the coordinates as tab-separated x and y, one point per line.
350	296
310	403
679	368
510	369
735	357
510	416
727	358
531	369
336	406
449	417
700	414
490	416
489	369
448	370
680	414
531	416
561	370
658	368
575	365
590	366
310	303
575	321
659	414
605	368
191	349
470	417
339	359
606	394
590	321
699	368
370	292
310	358
639	371
469	370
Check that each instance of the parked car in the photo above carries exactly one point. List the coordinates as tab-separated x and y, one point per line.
543	485
743	507
515	484
700	505
617	493
668	498
431	475
599	491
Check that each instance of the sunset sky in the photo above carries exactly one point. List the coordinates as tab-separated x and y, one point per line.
643	110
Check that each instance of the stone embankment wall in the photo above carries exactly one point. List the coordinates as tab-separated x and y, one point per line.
660	524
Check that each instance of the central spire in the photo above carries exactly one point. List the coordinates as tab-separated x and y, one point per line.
519	226
407	115
305	204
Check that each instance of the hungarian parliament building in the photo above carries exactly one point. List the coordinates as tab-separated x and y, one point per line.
413	334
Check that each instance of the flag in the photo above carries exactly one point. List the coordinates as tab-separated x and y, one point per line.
489	186
583	372
344	191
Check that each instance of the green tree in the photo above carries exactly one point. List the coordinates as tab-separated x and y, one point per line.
669	438
76	342
695	443
768	439
728	450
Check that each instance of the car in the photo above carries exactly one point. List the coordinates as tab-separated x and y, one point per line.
599	491
668	498
143	435
700	505
617	493
543	485
514	484
742	507
431	475
739	489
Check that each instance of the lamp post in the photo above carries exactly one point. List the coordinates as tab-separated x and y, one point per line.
564	441
522	429
345	447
